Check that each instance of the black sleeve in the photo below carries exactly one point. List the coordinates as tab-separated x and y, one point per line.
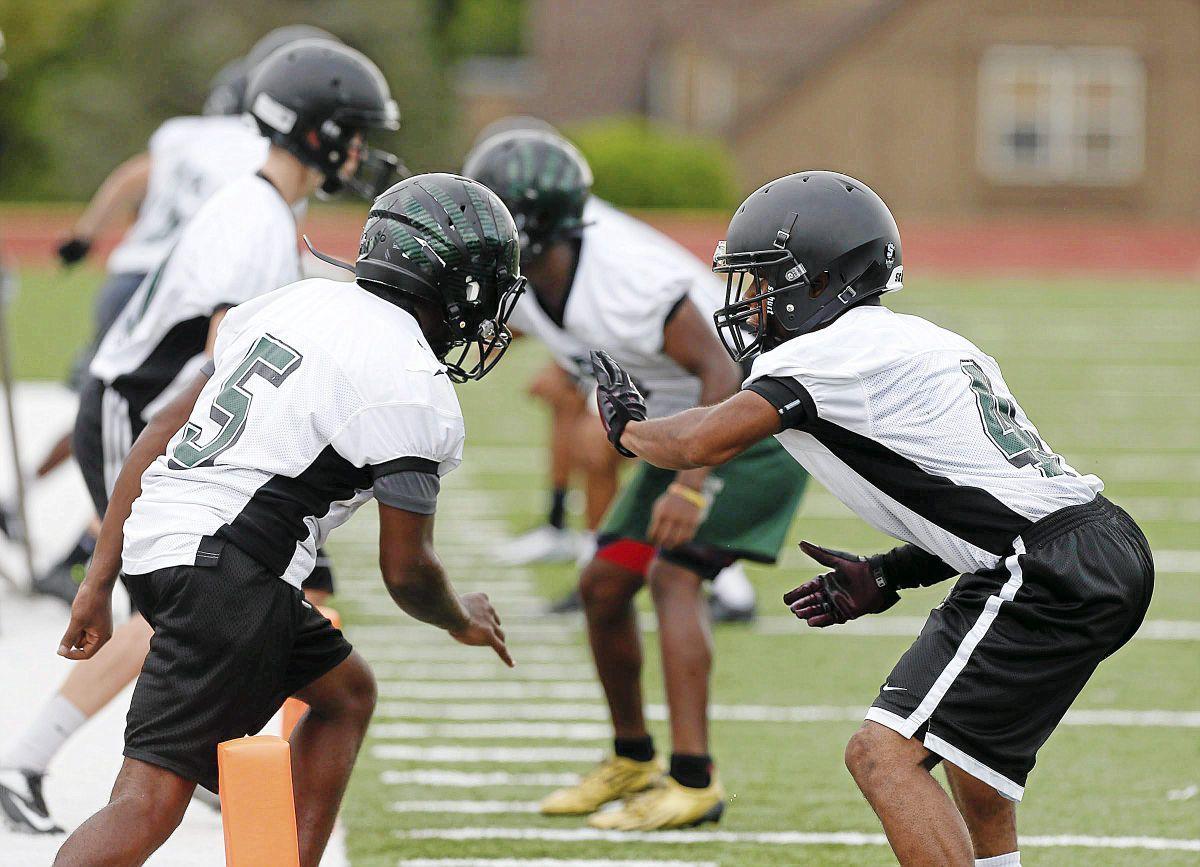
790	399
911	566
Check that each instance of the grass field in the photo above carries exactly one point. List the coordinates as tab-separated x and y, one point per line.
1109	375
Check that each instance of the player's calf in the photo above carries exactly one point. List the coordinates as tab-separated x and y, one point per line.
146	806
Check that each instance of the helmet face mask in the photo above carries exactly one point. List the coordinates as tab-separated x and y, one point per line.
801	251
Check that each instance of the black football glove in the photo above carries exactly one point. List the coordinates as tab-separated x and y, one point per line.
618	398
74	250
851	590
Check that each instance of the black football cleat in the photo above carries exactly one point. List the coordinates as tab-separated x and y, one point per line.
22	805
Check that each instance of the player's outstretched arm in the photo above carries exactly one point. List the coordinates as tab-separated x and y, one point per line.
417	582
702	437
91	612
118	197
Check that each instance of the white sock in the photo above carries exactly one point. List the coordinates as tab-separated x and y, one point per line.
44	737
733	588
1012	859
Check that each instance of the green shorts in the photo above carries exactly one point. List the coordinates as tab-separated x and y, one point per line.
754	498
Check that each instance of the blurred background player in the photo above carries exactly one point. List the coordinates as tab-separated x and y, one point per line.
187	160
215	522
576	449
314	101
599	278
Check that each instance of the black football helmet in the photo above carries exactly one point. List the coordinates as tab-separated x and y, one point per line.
448	241
799	252
543	180
227	92
312	97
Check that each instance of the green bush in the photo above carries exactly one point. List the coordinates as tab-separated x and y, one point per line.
639	164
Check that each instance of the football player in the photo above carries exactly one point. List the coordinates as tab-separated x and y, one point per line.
914	428
313	101
187	160
600	278
318	396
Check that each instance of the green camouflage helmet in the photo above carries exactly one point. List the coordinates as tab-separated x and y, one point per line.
543	180
448	241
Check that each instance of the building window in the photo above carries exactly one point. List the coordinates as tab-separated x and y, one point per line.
1061	115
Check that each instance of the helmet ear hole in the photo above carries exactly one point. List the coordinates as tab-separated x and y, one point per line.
818	284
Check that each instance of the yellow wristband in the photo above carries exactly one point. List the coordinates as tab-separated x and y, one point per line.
696	498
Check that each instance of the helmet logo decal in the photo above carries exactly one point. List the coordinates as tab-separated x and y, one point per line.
274	114
889	253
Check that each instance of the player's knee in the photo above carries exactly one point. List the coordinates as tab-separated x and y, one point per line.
605	588
866	751
361	693
667	579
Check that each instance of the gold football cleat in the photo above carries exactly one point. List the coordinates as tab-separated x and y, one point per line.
614	778
666	805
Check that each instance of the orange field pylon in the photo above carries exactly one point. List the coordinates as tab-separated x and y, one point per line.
258	810
293	708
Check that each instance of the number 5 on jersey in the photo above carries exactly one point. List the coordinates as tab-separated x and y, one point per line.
270	359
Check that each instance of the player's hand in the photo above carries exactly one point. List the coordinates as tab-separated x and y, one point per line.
483	626
848	592
91	623
618	399
74	250
674	520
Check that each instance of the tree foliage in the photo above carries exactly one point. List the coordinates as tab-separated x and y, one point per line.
90	80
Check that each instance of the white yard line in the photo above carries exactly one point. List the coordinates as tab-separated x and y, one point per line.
1187	562
905	626
473	808
449	651
774	838
485	755
577	721
469	780
543	862
499	689
516	731
450	672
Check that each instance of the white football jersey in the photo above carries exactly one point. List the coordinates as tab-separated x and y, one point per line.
319	389
628	281
190	159
917	432
240	244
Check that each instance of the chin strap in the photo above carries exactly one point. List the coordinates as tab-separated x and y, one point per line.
327	259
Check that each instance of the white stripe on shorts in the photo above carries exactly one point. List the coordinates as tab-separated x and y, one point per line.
116	435
990	609
907	727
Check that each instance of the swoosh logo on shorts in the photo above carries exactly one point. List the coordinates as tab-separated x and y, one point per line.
887	688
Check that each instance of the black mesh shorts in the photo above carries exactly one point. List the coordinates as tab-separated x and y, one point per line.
105	428
1001	660
231	642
